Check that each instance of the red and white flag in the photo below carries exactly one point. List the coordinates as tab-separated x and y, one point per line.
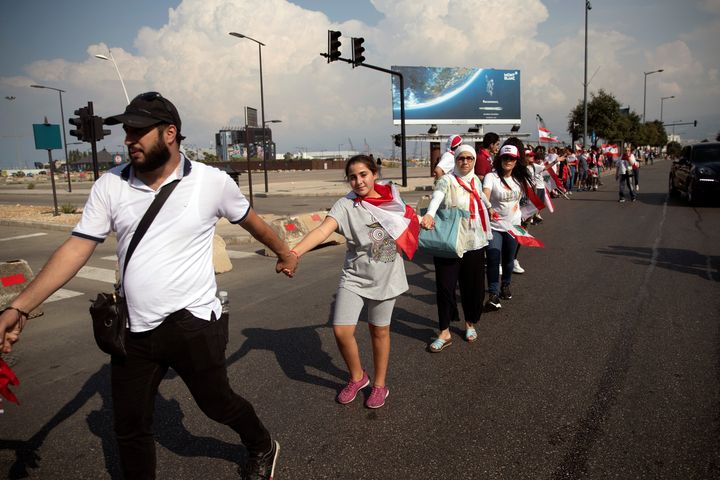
545	135
523	237
609	149
399	220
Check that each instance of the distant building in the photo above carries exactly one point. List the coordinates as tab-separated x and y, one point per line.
230	143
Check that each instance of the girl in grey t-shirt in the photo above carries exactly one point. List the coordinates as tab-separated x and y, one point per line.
376	224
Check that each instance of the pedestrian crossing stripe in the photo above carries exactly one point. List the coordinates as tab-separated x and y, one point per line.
20	237
62	294
236	254
99	274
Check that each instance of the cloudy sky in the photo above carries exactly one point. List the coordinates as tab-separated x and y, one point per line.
182	49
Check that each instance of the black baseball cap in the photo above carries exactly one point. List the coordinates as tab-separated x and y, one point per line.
148	109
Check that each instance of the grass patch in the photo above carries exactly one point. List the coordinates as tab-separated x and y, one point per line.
68	208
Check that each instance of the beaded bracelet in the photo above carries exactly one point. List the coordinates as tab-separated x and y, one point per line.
22	313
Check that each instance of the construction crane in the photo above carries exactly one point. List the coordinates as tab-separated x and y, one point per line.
352	147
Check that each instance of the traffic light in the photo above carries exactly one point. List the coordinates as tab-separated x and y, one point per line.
82	125
333	45
98	132
358	50
398	139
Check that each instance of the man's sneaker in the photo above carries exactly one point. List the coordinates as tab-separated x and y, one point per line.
262	467
377	397
351	390
517	268
493	303
622	200
505	292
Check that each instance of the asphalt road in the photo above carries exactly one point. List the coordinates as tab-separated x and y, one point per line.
605	364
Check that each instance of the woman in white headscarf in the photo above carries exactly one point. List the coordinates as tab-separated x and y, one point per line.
462	189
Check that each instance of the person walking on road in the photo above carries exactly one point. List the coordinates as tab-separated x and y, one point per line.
377	226
504	188
461	189
447	160
175	319
623	173
484	161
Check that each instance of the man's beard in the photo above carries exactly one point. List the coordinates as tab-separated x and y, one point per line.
158	156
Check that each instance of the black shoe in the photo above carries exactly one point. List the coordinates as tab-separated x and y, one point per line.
493	303
262	467
505	293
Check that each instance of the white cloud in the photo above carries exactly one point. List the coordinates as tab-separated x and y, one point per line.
211	76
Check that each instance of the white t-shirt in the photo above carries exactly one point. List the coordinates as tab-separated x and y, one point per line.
505	201
447	162
171	268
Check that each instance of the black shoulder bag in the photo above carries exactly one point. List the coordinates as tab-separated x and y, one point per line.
109	311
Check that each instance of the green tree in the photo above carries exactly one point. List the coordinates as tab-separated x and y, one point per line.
605	118
209	157
288	156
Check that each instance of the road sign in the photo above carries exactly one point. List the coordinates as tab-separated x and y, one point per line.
118	159
47	136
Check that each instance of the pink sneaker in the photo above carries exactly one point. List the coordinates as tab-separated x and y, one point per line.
377	397
351	390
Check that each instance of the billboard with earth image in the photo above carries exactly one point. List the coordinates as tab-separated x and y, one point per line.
457	95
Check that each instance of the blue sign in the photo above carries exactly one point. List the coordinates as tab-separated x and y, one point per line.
47	136
442	95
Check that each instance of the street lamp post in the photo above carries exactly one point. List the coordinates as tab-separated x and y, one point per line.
645	89
661	105
112	59
588	7
264	143
62	121
262	101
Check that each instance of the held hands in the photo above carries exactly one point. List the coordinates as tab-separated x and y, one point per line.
287	263
11	324
427	222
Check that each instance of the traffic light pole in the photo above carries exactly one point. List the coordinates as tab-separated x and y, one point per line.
403	155
93	143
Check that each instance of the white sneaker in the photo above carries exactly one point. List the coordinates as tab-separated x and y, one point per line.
517	268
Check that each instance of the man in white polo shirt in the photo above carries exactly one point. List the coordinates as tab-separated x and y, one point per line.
169	283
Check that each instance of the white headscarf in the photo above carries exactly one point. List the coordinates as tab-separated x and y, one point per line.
458	152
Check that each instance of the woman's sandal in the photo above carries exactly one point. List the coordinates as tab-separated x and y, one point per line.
439	344
471	334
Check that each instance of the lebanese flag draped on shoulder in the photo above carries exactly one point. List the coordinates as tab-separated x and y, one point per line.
398	220
545	135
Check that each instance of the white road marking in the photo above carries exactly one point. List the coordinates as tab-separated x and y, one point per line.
62	294
236	254
112	258
19	237
100	274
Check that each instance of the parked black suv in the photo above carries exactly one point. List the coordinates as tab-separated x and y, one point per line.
697	172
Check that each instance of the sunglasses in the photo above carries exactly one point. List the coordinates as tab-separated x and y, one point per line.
465	159
509	159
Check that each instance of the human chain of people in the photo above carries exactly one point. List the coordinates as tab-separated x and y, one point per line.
473	227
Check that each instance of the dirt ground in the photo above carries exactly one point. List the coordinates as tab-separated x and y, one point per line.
38	214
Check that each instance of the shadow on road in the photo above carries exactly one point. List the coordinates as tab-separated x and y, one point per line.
676	259
169	431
